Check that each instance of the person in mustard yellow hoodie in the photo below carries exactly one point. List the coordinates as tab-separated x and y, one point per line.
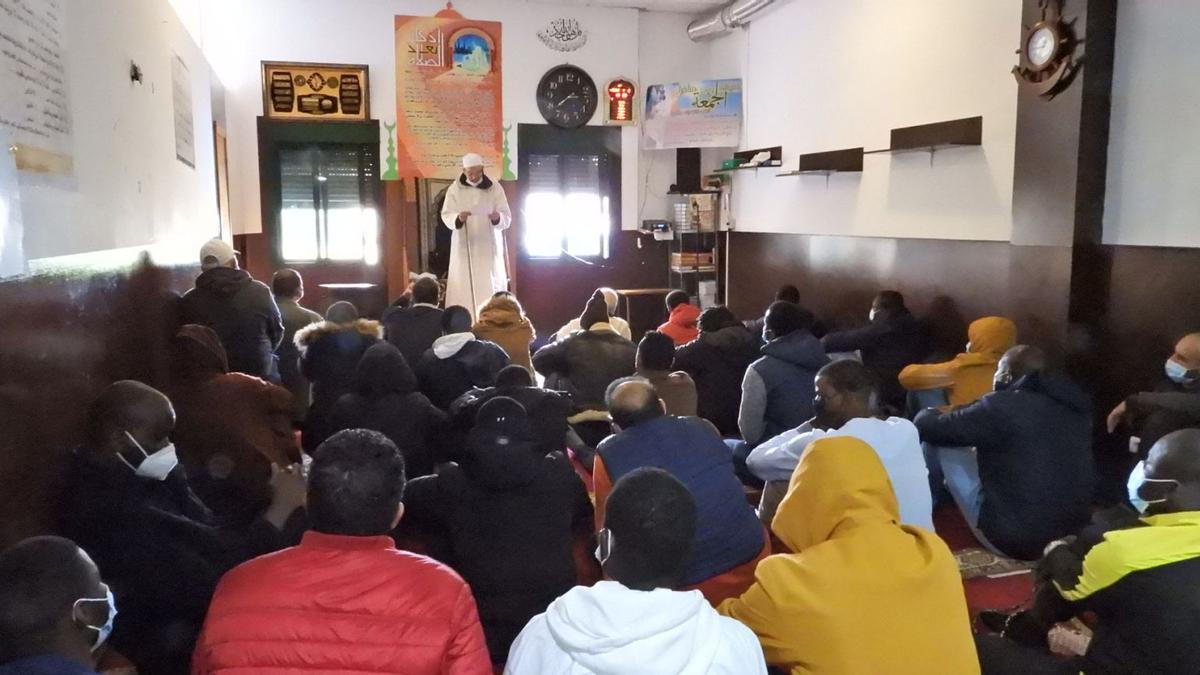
968	376
503	321
861	594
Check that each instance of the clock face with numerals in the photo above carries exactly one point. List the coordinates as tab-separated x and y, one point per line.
567	97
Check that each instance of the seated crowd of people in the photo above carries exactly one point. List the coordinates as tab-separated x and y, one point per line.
428	493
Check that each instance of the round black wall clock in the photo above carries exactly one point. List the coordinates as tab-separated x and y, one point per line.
567	97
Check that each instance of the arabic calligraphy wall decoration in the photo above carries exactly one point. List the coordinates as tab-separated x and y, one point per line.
315	91
448	93
563	35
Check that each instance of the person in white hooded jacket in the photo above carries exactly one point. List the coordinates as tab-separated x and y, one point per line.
635	622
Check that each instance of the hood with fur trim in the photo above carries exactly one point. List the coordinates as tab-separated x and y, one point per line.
308	335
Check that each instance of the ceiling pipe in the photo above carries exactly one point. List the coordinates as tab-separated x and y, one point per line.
724	20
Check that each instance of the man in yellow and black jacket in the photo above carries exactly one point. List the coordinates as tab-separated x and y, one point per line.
1140	578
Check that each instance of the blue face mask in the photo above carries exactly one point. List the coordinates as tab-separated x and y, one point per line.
1179	373
1137	478
102	632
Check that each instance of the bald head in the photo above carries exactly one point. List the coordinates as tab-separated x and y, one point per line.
1173	472
632	401
40	580
1187	351
1018	362
129	406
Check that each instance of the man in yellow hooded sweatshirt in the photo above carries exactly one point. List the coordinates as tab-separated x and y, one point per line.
968	376
862	594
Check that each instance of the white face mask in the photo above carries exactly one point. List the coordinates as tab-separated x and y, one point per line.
155	466
102	632
603	545
871	316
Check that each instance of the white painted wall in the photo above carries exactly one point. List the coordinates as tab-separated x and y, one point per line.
240	35
1153	165
828	74
128	190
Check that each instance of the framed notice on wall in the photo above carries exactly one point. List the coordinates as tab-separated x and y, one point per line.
703	114
315	91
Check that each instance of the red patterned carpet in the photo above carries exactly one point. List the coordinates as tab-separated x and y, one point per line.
982	592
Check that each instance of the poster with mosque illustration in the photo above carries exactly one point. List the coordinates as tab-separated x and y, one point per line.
448	94
703	114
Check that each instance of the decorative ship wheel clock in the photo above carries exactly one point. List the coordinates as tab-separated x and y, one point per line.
1048	62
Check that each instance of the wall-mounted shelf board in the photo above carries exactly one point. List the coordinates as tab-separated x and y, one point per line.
849	160
936	136
775	160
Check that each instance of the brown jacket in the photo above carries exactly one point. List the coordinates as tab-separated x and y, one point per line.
501	320
230	427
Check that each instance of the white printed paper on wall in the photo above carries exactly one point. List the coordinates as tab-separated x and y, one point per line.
35	110
703	114
12	231
181	94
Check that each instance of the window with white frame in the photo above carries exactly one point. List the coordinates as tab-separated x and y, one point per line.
567	206
328	204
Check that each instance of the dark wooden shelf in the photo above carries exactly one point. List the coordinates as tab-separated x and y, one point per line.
775	160
930	138
849	160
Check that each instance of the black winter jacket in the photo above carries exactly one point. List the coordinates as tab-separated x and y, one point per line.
548	413
161	552
506	520
717	362
888	344
243	313
456	364
413	329
585	363
329	355
385	399
1034	444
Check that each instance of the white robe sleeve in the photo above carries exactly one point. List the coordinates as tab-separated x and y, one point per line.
500	203
450	207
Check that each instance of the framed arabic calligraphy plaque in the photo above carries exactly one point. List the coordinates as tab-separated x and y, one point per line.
315	91
448	94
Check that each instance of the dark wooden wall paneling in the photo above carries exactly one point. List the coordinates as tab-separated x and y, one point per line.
63	340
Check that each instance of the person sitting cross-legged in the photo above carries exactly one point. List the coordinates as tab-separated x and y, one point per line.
655	358
846	404
729	539
506	518
55	611
681	324
619	326
635	621
547	409
1028	480
329	352
1137	575
777	391
345	600
458	361
860	592
385	399
717	363
129	504
414	328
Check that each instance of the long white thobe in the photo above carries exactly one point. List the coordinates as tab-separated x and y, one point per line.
477	268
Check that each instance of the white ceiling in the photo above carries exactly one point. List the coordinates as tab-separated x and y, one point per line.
686	6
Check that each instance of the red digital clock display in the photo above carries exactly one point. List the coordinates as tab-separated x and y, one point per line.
621	102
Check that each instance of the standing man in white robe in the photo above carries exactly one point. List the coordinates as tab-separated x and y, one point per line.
476	210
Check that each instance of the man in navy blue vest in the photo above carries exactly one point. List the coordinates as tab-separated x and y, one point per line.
729	537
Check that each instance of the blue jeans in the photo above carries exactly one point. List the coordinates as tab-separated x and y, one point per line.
960	467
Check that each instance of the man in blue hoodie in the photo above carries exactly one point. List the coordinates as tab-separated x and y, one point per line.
1028	479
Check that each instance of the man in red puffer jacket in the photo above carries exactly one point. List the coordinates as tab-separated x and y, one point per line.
345	599
681	325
